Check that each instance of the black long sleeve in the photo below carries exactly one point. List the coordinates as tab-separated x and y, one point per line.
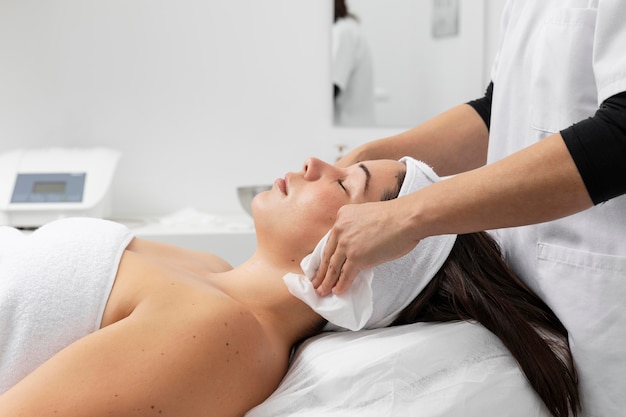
598	147
483	105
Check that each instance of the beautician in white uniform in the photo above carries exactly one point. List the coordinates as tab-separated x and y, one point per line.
552	180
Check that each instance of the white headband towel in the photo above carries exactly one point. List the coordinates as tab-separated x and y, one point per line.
372	303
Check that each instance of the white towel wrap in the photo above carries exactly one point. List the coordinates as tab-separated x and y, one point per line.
378	294
54	285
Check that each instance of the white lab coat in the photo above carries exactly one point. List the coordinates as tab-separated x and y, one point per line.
559	59
353	72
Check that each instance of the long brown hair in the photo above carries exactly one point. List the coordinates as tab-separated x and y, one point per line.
476	284
342	11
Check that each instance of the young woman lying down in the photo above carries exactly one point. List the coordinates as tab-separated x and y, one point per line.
94	321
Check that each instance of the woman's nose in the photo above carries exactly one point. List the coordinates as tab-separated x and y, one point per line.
314	168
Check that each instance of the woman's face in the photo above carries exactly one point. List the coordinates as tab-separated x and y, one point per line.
301	207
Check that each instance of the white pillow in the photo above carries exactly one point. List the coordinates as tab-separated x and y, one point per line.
451	369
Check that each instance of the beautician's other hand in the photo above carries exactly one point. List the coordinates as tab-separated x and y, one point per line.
350	158
363	236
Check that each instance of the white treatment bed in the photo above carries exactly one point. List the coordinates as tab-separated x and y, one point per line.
454	369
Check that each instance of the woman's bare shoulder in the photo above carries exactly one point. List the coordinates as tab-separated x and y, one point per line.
203	352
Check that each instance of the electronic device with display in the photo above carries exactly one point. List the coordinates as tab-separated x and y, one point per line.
41	185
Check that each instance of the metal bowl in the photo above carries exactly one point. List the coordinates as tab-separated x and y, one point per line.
247	193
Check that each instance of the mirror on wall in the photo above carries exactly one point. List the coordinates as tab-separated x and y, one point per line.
396	63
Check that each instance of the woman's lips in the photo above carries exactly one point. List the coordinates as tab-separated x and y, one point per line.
281	184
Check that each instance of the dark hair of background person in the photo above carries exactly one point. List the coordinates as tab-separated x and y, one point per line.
476	284
341	11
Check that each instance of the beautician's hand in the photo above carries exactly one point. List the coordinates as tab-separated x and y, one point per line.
363	236
350	158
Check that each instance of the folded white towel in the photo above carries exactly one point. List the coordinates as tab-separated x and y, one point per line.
54	285
378	294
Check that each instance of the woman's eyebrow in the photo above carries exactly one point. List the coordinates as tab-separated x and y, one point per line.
368	177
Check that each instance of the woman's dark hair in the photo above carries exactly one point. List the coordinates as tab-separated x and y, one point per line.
476	284
341	11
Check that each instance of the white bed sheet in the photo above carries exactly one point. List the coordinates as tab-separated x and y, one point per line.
454	369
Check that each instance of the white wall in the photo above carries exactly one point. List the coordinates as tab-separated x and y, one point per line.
200	96
407	57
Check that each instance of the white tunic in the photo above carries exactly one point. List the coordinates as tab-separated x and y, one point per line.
559	59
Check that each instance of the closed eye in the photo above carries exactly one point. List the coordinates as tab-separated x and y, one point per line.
340	182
